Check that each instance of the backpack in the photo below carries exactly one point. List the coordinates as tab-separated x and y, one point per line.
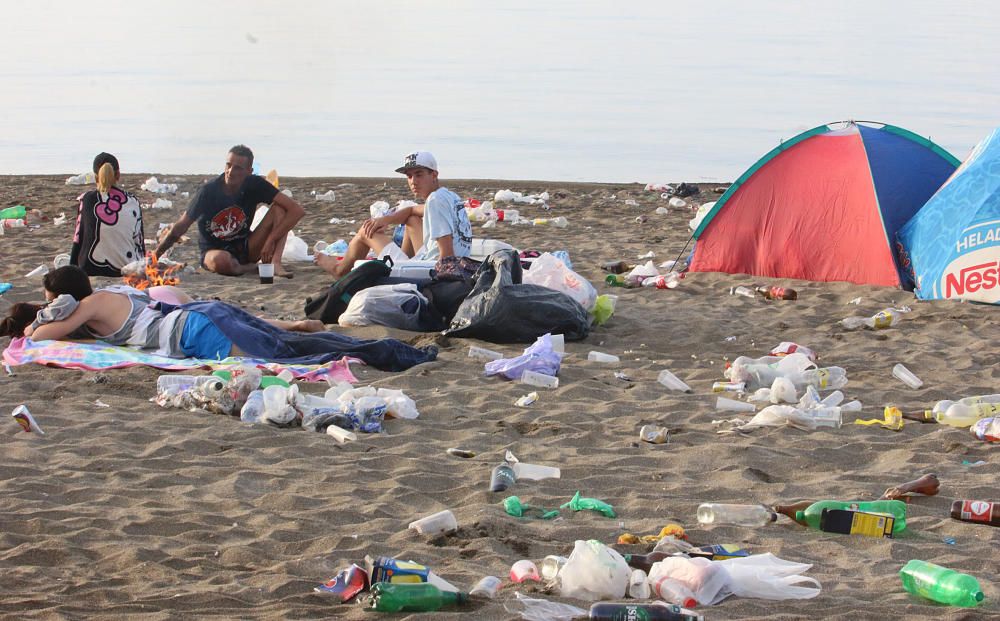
329	304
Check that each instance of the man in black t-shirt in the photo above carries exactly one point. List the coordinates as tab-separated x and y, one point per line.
224	209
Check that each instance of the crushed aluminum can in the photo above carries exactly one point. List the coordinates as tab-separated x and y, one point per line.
654	434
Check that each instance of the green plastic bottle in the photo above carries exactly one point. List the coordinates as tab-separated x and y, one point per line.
896	508
940	584
412	597
17	212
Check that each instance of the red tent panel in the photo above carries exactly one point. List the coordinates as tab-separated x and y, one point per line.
814	212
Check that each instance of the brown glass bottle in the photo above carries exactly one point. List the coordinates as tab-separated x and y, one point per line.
616	267
778	293
976	511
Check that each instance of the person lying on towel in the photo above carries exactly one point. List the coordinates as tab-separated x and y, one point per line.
121	315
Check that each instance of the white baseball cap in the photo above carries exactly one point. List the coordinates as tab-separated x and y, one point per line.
418	159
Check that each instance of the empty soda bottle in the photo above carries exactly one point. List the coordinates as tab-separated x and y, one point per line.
502	477
413	597
617	267
940	584
811	513
739	515
976	511
962	415
777	293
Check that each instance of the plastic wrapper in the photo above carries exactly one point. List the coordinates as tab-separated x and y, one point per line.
548	271
594	572
539	357
987	429
501	309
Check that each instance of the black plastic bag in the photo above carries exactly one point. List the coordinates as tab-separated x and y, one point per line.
501	309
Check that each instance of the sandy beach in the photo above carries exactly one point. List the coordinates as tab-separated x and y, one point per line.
137	512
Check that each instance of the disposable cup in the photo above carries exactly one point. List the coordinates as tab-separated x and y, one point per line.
60	260
558	343
672	382
481	353
266	272
552	565
906	376
598	356
532	378
732	405
340	434
524	570
440	522
41	270
535	472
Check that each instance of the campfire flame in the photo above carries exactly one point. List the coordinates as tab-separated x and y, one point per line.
153	276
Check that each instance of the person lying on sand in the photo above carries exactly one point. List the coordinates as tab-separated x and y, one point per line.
224	209
121	315
438	228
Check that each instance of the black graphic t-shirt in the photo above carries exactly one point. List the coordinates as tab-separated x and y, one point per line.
224	220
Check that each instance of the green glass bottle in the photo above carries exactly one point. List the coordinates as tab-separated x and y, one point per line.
940	584
813	514
412	597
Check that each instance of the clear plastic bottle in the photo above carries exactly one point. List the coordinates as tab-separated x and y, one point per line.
879	321
962	415
175	384
253	410
943	405
739	515
827	378
940	584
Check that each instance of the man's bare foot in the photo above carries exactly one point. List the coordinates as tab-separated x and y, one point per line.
329	263
282	272
308	325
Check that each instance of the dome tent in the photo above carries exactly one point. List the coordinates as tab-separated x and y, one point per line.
824	206
951	247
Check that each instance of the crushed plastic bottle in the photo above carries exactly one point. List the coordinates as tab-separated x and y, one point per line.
879	321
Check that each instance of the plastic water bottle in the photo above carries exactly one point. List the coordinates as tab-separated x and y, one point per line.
739	515
940	584
175	384
879	321
944	404
962	415
253	409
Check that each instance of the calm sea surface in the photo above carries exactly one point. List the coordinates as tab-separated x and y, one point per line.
582	90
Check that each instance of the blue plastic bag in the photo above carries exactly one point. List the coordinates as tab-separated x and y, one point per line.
538	357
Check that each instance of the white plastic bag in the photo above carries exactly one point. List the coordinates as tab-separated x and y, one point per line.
296	249
594	572
396	306
707	581
400	406
766	576
549	271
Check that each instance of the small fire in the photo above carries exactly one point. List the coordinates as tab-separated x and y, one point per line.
153	276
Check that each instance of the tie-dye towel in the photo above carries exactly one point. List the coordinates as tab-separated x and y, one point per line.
98	356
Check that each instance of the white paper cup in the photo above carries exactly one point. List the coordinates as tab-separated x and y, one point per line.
266	272
440	522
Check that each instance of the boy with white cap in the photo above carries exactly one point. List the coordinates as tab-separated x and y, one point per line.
438	228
